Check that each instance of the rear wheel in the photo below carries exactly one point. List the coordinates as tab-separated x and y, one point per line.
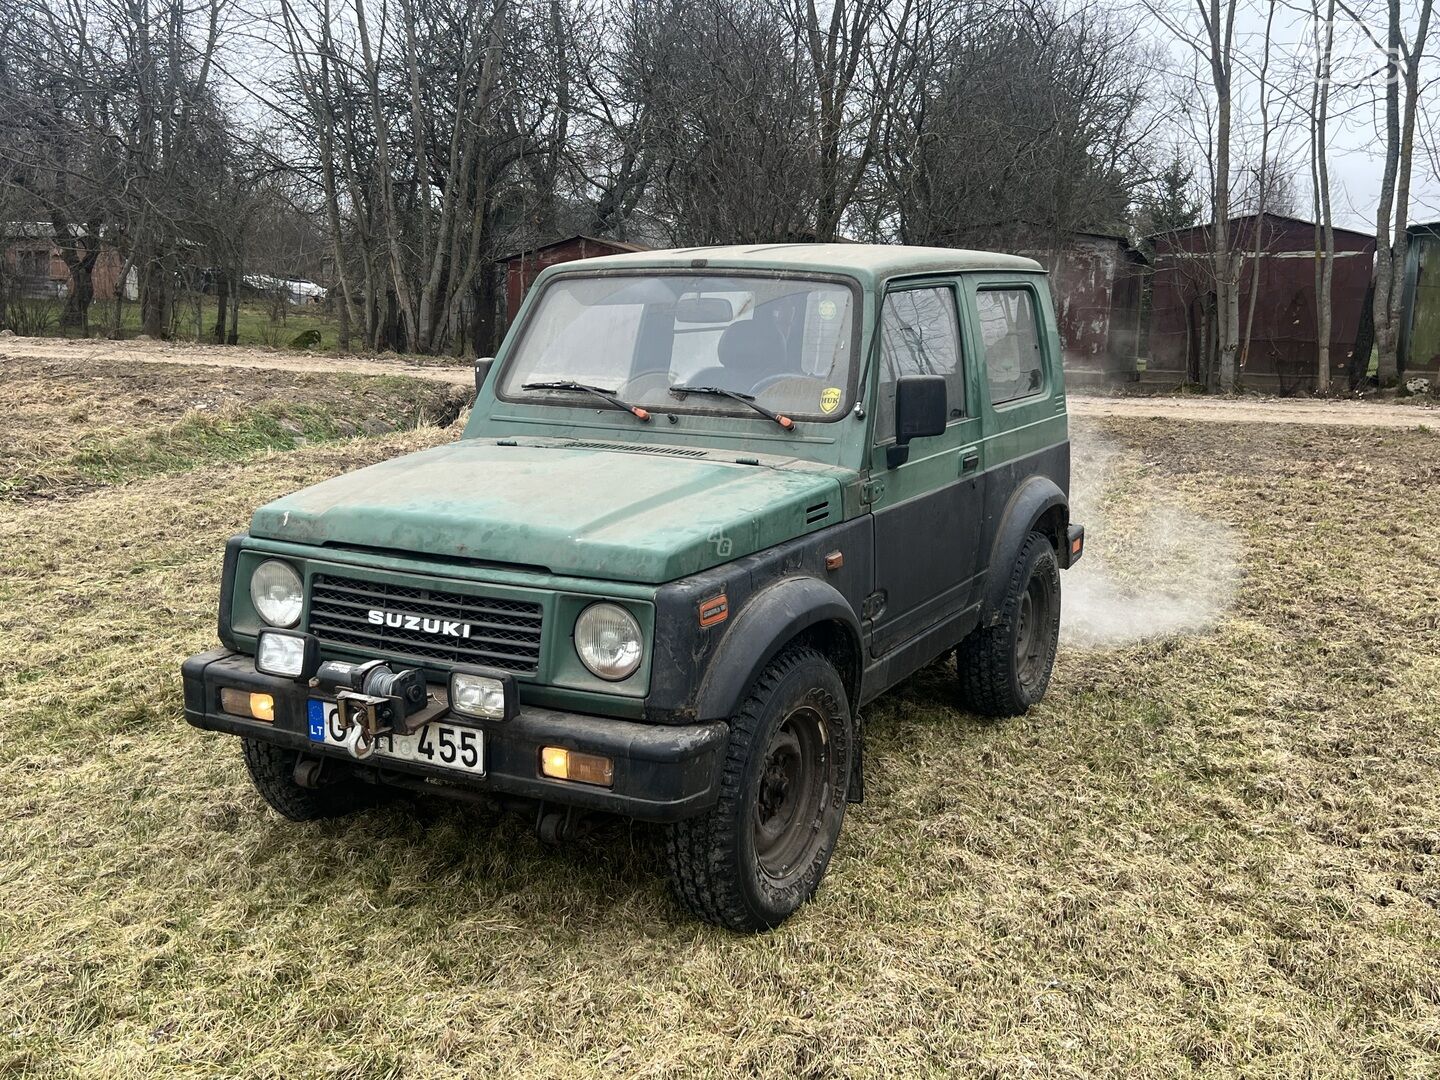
1005	668
750	861
272	771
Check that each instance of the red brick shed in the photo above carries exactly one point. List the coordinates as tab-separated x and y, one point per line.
523	267
33	266
1283	341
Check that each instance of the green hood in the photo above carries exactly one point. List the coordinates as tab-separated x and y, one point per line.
620	515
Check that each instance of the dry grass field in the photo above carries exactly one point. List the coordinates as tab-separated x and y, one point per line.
1211	852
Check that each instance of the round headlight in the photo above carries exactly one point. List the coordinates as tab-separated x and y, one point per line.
607	639
276	593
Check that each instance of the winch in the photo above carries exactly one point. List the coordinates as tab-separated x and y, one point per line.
372	699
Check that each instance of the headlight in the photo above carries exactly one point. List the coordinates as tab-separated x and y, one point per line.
287	654
489	697
276	593
607	639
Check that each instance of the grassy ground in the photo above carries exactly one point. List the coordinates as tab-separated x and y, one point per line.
259	324
71	425
1203	855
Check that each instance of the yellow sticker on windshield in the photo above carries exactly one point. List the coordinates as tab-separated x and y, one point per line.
827	309
829	399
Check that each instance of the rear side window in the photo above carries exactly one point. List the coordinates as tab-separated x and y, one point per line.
1014	363
919	335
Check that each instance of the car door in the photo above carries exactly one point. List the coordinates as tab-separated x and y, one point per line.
926	511
1012	337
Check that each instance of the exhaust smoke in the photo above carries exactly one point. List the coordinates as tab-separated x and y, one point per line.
1153	567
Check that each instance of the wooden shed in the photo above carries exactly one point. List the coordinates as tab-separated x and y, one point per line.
1283	338
523	267
1420	315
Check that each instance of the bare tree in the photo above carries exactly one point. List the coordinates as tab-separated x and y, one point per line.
1214	44
1320	184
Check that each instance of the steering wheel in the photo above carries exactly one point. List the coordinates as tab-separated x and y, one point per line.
647	386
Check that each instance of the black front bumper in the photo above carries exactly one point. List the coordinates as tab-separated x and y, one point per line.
662	772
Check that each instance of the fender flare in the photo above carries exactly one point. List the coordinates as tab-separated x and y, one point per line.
1030	501
765	625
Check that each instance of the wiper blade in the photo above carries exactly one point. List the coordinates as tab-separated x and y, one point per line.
597	391
745	399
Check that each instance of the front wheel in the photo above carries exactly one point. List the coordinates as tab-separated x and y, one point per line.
1005	668
272	771
750	861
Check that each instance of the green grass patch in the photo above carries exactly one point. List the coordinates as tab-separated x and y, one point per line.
66	429
1215	853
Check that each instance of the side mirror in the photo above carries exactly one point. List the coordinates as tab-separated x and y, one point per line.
920	412
482	371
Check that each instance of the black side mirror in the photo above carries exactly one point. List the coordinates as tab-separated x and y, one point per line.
482	371
920	412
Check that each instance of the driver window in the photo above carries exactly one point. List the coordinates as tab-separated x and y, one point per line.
919	335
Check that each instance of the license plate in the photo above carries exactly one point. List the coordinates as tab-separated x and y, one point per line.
446	746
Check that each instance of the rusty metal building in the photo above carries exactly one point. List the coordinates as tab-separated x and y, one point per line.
523	267
1096	281
1283	339
1420	315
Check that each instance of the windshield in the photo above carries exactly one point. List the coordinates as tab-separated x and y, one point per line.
788	342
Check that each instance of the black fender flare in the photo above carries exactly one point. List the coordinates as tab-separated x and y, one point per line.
771	619
1030	501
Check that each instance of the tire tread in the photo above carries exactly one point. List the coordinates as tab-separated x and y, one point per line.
985	660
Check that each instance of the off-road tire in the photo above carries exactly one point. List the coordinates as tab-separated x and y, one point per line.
723	863
272	771
994	679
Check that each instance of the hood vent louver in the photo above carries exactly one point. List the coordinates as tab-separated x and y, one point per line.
637	448
817	513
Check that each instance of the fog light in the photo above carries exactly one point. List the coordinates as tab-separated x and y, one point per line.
289	655
562	764
243	703
487	697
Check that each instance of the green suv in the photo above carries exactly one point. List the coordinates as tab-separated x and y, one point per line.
710	502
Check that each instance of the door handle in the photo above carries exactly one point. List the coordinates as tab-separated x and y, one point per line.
969	461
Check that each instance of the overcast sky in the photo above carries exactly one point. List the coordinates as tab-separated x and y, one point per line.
1356	150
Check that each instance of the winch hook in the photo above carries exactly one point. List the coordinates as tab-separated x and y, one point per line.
357	743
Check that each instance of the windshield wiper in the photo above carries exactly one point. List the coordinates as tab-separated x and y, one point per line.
744	399
602	394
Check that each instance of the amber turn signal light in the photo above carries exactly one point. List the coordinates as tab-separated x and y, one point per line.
243	703
560	764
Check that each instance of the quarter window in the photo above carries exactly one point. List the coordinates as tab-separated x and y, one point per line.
919	335
1014	364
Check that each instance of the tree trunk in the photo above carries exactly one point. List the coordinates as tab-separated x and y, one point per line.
222	297
1386	371
233	338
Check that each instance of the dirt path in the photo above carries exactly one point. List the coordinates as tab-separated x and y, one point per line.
1261	410
1220	410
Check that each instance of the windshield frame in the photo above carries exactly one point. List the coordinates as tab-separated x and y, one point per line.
680	405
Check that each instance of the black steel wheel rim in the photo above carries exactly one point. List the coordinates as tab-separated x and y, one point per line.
791	796
1033	630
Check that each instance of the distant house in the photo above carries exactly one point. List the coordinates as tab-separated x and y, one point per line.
1096	281
522	268
1284	336
1420	315
34	268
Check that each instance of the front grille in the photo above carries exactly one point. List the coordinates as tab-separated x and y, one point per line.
503	634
